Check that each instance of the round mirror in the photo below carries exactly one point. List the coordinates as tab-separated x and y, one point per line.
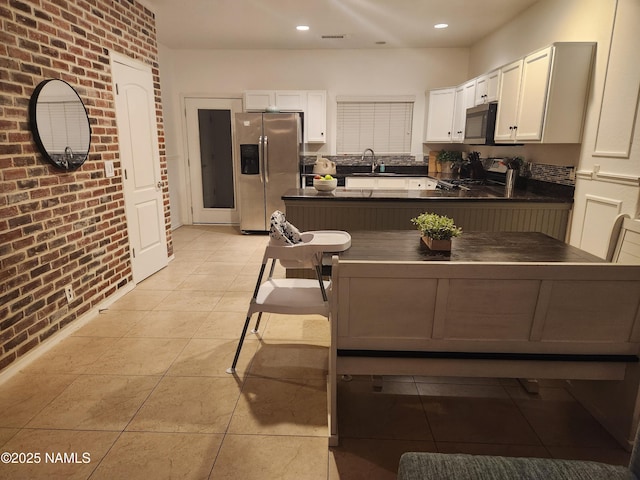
60	124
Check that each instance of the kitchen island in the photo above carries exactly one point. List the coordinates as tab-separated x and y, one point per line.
483	208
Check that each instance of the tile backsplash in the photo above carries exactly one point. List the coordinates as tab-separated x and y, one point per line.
355	160
562	175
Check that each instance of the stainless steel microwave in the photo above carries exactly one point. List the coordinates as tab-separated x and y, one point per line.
480	124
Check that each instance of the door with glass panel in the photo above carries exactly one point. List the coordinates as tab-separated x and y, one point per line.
209	127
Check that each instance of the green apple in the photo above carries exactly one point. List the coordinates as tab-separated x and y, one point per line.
328	177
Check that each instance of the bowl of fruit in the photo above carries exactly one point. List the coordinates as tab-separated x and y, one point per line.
325	183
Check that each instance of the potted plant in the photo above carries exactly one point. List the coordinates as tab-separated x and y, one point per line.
437	230
513	165
449	160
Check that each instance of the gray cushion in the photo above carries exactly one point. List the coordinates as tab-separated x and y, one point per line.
419	466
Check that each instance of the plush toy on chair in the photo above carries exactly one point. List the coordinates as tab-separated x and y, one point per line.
282	232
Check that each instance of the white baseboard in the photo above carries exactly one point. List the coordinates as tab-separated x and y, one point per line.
67	331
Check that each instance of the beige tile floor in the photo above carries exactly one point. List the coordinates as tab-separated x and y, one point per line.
142	390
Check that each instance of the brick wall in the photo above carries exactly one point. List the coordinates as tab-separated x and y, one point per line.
60	228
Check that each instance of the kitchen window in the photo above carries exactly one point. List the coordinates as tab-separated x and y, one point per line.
381	123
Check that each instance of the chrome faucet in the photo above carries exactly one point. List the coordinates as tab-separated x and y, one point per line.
68	153
374	164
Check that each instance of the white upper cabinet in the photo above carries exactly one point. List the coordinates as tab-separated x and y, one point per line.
568	90
487	87
440	115
258	100
522	100
285	100
315	119
291	100
542	98
508	101
464	98
459	111
448	112
312	103
533	95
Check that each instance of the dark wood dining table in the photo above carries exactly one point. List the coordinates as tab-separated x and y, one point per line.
406	245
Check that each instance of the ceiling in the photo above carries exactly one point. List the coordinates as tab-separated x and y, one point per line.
270	24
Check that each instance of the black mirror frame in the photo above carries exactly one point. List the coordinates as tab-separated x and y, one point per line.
33	125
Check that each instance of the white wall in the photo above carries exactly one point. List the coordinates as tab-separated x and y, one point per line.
227	73
414	71
339	72
609	173
173	150
545	22
598	199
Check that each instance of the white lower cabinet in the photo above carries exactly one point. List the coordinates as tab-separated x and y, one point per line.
422	183
391	183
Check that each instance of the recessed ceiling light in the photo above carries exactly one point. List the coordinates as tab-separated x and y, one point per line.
302	28
441	25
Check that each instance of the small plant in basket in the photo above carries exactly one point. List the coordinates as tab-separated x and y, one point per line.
437	230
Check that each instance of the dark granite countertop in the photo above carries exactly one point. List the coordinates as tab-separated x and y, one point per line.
484	193
405	245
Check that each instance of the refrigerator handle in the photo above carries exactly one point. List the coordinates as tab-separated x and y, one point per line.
260	157
266	159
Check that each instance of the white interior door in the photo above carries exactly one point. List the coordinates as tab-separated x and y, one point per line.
140	161
210	143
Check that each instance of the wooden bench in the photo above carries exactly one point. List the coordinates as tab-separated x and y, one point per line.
616	404
516	320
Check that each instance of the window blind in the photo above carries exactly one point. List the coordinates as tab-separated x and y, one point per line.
382	125
62	124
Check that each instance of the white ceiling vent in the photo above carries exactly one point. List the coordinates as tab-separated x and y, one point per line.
333	37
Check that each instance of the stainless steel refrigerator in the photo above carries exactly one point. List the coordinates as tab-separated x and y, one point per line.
268	153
